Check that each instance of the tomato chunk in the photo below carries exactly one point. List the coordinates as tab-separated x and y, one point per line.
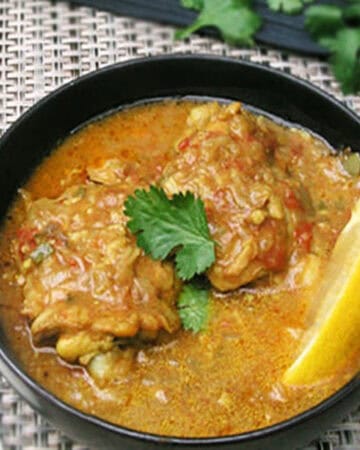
291	201
26	239
276	258
184	144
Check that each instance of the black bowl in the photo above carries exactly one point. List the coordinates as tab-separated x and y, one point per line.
37	132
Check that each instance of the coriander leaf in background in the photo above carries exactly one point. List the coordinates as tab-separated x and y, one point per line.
164	225
345	60
329	25
352	12
193	306
323	20
287	6
337	28
235	20
193	4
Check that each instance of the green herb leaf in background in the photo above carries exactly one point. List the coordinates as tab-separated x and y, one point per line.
193	306
338	29
334	27
323	20
345	60
193	4
287	6
235	19
352	13
179	225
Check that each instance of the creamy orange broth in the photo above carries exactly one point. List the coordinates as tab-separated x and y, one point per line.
222	381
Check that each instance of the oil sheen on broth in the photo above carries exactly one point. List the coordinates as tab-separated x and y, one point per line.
227	378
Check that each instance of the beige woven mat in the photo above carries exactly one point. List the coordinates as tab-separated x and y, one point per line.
43	45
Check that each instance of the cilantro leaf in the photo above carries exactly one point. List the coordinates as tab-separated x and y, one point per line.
287	6
323	20
352	12
332	27
193	4
345	60
163	225
235	19
193	306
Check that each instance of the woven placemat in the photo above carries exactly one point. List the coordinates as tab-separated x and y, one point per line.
45	44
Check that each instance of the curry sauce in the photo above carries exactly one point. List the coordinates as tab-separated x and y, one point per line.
163	379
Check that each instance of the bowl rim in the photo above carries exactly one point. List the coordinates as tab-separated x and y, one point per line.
243	437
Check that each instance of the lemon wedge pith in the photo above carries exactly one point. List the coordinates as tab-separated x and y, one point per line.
335	333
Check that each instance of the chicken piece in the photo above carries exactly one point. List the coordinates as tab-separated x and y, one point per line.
226	157
114	171
83	344
104	365
87	285
111	172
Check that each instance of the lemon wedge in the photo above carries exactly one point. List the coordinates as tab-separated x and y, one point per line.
335	333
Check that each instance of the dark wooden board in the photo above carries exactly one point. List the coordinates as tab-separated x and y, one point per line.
279	30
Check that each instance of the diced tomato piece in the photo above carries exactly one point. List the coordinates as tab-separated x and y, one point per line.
291	201
303	234
72	262
184	144
275	258
26	237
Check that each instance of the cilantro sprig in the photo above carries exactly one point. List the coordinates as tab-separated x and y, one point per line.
335	27
338	29
178	225
235	19
287	6
193	305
